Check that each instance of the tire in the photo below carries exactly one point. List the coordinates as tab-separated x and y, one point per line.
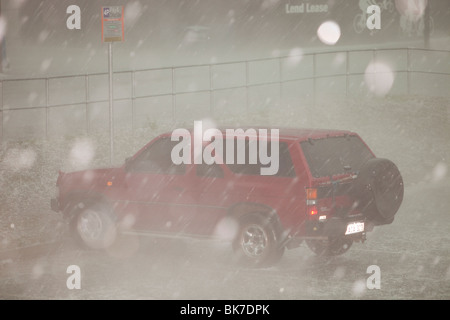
330	247
379	190
256	243
93	226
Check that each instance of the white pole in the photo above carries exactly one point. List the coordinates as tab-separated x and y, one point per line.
111	95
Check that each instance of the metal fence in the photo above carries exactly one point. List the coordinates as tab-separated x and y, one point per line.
42	107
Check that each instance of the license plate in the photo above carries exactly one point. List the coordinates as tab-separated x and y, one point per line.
355	227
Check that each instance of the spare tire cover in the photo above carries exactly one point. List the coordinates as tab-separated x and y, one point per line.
379	190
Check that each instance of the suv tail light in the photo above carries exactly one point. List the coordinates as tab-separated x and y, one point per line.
311	202
312	210
311	193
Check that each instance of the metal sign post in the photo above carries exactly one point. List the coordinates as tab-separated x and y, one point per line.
112	30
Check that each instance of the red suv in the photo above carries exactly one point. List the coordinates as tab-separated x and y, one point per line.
329	190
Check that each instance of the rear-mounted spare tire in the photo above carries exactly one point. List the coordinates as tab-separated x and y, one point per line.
379	190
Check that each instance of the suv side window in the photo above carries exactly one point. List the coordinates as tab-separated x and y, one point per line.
286	167
210	171
156	159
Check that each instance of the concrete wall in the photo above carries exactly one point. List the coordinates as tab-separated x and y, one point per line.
71	105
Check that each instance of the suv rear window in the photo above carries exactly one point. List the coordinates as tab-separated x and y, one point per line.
285	168
335	155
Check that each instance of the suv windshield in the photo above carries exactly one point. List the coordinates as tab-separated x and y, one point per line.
335	155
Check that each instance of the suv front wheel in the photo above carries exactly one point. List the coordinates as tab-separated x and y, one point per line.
94	227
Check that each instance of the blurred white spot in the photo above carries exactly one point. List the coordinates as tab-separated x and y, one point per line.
24	19
269	3
168	224
37	271
133	11
208	123
379	78
436	260
339	59
82	153
329	32
230	16
411	9
196	34
46	64
295	56
439	172
132	54
281	290
12	226
16	3
43	35
359	288
128	221
18	159
32	96
339	273
226	229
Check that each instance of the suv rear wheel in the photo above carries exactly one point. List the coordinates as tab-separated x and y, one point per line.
256	243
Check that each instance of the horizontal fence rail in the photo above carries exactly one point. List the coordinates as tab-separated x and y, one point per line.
41	107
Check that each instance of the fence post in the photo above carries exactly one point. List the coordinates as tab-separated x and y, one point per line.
408	71
211	91
347	73
247	83
86	84
133	97
314	79
3	116
280	73
47	102
174	98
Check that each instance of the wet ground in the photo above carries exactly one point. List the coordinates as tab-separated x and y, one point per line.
412	255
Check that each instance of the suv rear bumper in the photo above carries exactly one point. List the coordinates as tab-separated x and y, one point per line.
335	227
